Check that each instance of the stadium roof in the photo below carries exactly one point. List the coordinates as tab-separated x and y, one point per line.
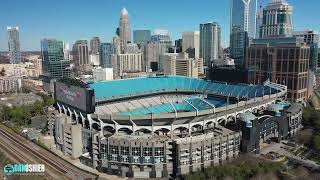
109	90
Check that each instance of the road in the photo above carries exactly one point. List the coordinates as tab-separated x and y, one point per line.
24	151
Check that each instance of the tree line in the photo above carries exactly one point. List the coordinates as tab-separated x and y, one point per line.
21	115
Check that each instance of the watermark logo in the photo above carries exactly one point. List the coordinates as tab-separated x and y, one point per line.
10	169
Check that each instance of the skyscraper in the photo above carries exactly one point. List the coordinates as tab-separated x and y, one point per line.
94	45
210	38
141	36
243	15
124	29
277	19
239	41
80	52
14	45
190	43
259	21
53	63
242	28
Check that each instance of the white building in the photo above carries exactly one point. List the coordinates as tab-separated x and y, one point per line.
225	61
102	74
66	50
10	84
94	59
309	36
127	63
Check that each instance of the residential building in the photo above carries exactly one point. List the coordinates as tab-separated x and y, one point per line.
94	45
210	41
190	43
127	63
141	36
10	84
14	45
80	52
53	63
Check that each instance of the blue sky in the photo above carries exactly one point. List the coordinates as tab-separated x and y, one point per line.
69	20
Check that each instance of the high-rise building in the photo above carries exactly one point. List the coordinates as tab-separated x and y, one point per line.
53	63
178	46
190	43
14	45
141	36
124	29
239	41
152	55
283	61
181	65
210	37
259	21
242	28
94	45
81	56
277	20
66	50
106	50
311	38
162	36
126	63
243	16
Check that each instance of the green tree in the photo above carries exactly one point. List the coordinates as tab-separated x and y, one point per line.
316	142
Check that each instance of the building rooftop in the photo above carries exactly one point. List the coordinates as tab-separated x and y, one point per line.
278	40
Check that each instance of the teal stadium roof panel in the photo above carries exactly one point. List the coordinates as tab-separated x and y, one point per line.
109	90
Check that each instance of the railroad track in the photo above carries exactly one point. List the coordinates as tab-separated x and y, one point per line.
54	163
17	150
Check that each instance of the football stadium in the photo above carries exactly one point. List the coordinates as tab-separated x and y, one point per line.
167	126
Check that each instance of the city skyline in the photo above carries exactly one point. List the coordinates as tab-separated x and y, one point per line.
36	24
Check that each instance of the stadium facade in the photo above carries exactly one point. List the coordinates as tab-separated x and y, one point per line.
166	126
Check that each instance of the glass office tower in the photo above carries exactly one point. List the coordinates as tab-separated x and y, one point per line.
243	15
242	28
141	36
54	65
106	49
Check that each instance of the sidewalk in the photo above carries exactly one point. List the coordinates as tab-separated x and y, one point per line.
49	142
